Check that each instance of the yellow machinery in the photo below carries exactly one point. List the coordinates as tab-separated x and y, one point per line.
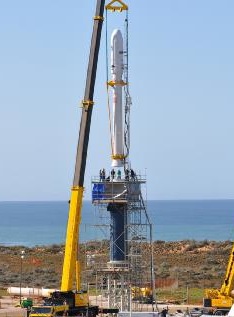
223	298
67	301
142	294
49	310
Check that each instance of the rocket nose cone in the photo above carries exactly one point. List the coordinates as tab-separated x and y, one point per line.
116	35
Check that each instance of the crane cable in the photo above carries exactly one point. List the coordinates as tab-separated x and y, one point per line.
128	101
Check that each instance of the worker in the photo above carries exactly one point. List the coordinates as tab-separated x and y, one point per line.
132	173
119	174
103	174
164	312
112	174
126	174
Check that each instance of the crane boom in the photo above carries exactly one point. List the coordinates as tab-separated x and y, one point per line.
71	261
223	298
228	282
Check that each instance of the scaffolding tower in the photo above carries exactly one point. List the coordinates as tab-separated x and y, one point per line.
125	281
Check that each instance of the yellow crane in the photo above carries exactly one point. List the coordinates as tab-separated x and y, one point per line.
223	297
68	301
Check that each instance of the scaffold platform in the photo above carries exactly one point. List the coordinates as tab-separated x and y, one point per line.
116	190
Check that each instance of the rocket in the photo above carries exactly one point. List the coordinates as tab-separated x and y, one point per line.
117	67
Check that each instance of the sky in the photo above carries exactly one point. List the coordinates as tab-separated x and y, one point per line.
181	75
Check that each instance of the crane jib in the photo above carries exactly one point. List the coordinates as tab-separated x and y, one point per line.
71	256
83	141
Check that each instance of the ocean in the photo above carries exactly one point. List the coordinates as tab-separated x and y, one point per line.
44	223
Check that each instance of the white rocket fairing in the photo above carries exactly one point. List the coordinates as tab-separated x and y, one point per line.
117	67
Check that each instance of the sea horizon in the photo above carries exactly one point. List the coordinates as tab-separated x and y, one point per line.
32	223
89	200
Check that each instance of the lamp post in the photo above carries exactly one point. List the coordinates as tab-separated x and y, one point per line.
22	254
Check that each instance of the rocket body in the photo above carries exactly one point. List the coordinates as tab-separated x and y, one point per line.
117	67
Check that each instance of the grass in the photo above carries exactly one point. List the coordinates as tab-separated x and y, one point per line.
190	296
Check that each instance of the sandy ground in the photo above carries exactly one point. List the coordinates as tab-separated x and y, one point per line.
8	307
146	307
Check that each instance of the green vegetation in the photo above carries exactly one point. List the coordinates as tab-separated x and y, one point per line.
196	264
190	296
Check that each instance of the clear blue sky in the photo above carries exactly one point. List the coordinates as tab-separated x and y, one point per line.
181	59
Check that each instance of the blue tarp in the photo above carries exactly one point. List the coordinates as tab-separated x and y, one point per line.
98	191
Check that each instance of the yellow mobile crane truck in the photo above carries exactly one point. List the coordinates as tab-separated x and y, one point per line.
68	302
223	298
